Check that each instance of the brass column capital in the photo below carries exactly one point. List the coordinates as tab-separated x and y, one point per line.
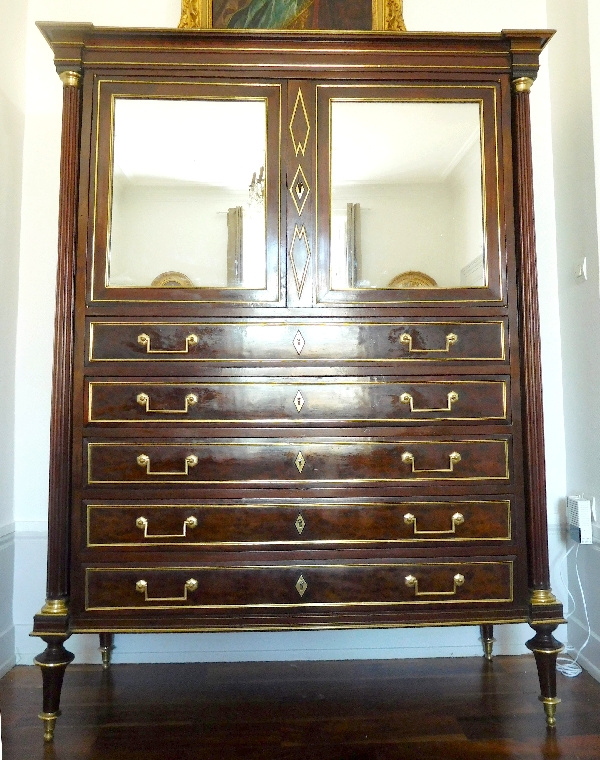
70	78
523	84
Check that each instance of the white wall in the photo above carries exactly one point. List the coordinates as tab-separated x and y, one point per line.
12	123
36	304
575	96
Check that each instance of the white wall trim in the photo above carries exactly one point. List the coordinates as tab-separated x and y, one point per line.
7	650
591	654
7	530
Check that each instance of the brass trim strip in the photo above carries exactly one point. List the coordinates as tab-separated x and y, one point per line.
304	627
271	299
296	326
404	398
201	444
305	568
493	88
423	536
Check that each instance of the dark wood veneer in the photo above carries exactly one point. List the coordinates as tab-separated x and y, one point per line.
262	463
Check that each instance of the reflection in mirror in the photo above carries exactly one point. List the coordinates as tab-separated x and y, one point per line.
188	194
406	195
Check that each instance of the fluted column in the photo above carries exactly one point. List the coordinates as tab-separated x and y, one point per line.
57	589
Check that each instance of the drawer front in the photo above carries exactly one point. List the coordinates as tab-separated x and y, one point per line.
297	402
298	342
274	462
297	523
272	586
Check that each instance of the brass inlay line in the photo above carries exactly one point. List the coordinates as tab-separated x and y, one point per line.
144	461
300	145
299	342
407	340
144	400
494	92
301	586
189	522
266	382
300	236
276	88
300	462
409	458
457	519
422	535
300	524
317	324
413	582
274	605
300	190
483	620
299	401
144	340
406	398
142	588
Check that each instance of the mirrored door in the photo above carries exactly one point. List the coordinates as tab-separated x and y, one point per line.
409	178
188	194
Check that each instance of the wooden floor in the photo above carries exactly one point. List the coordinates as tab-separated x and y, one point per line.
376	710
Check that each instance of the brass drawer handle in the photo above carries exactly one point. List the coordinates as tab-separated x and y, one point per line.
451	339
406	398
409	458
189	522
413	582
143	399
144	461
457	519
144	340
142	588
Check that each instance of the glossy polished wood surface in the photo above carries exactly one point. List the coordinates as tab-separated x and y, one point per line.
458	709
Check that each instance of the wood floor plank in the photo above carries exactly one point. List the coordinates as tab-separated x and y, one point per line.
460	709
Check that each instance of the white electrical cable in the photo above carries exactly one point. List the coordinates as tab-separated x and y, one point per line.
568	666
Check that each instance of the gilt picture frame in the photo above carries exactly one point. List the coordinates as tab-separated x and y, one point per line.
314	15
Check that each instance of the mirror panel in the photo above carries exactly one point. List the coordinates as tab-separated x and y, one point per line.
407	200
188	194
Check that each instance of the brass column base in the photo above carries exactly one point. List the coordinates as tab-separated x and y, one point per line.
49	724
550	709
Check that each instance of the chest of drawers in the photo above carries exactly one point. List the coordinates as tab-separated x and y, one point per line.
300	444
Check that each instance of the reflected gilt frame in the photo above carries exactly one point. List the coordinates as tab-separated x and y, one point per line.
387	15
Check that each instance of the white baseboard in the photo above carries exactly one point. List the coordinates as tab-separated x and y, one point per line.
7	650
382	644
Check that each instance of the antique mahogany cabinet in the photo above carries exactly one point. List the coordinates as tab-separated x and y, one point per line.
297	371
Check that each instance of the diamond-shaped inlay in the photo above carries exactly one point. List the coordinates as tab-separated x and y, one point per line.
300	524
300	125
299	402
300	461
299	344
301	585
300	190
300	254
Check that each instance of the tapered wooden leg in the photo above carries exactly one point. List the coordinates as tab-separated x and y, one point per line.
53	662
107	644
487	639
546	649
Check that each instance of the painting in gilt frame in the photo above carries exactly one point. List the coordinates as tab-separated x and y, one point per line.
317	15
